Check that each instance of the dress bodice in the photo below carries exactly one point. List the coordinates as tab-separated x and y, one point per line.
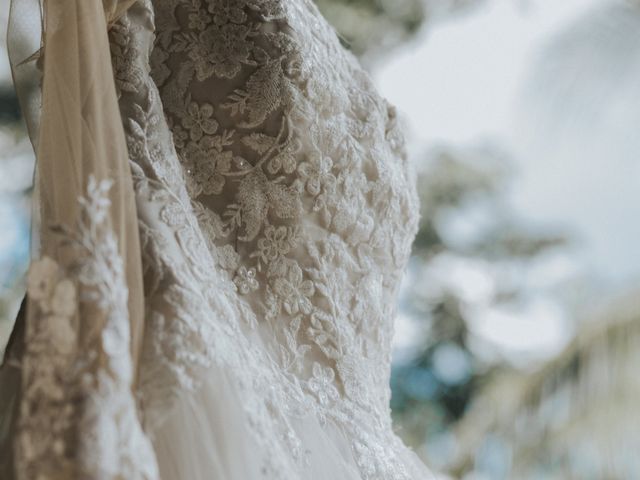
227	210
277	212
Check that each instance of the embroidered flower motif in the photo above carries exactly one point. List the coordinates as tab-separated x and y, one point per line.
198	121
199	20
274	243
206	165
41	278
294	291
63	301
315	172
294	68
221	51
62	336
227	11
180	136
227	257
172	213
245	280
198	153
212	173
285	159
57	299
321	384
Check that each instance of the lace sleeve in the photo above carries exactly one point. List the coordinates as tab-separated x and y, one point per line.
77	416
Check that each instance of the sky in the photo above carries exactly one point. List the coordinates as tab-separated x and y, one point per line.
459	80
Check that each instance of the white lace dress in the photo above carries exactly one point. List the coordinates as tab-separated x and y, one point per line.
276	211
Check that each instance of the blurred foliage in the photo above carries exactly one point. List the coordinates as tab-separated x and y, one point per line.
9	106
365	25
432	390
372	27
575	417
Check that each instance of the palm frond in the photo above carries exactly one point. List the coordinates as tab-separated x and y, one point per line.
576	414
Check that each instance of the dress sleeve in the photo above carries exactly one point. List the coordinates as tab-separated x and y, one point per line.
77	415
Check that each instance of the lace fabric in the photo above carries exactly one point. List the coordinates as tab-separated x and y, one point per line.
276	210
75	415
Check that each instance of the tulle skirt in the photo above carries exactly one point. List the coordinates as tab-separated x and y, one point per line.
206	438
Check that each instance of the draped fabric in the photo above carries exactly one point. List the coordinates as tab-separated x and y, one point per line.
76	414
226	211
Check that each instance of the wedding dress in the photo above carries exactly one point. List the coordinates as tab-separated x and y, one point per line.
223	233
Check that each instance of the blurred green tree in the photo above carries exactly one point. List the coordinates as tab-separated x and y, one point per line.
432	389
